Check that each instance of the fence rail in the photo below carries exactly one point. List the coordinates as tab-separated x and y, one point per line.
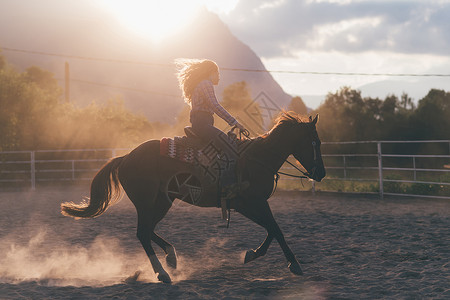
31	167
440	165
56	166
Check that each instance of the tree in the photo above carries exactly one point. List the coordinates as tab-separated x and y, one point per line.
2	62
44	80
431	119
238	102
236	96
33	118
406	102
25	107
297	105
343	116
98	126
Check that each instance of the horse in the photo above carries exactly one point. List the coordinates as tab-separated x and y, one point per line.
143	174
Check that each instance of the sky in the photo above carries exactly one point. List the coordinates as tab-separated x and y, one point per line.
340	36
347	36
324	36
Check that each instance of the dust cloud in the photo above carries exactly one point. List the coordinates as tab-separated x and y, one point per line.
103	262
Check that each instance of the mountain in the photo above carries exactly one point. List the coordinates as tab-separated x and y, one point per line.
416	91
107	60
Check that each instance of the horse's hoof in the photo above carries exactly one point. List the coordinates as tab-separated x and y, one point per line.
133	278
171	259
295	268
249	256
164	277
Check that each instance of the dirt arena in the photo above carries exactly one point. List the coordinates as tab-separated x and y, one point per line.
350	247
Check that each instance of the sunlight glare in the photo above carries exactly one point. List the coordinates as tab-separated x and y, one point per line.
220	6
154	19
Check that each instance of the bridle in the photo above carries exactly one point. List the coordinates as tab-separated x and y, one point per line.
306	175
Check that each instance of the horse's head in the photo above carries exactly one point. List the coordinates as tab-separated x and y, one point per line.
306	148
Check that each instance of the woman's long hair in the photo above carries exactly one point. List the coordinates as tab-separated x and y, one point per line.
191	72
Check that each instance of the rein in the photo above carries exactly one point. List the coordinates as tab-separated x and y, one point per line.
305	175
277	173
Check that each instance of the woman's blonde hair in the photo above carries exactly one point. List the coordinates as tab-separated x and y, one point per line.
191	72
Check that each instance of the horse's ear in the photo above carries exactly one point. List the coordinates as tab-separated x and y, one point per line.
315	119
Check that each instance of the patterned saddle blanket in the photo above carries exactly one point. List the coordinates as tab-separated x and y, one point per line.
186	149
180	149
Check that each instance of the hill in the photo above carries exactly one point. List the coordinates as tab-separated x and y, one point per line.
123	64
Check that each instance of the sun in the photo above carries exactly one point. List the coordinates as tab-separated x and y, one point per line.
154	19
159	19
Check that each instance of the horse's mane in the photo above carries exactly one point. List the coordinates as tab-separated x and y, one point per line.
288	118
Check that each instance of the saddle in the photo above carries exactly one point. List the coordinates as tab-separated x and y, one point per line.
220	164
192	149
184	148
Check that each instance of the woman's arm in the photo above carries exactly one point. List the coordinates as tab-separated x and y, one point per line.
207	89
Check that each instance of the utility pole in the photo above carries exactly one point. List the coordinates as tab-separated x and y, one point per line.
67	82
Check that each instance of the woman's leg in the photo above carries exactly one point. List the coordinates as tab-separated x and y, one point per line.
203	125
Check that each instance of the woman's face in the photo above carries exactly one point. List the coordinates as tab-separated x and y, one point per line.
215	78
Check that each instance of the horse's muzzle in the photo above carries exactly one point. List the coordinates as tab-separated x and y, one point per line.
317	174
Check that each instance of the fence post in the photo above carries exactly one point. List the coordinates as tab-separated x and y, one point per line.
380	168
33	169
345	167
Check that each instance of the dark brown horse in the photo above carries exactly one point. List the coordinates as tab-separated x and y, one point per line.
146	177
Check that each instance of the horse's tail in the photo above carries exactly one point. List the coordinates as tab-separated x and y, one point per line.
105	191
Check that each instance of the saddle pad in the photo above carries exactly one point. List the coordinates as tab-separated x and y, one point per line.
178	149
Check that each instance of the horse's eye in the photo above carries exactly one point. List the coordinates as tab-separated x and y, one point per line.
314	143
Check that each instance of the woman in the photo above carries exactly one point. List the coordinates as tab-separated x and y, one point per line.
196	78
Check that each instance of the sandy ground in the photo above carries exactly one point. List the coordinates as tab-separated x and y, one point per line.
356	247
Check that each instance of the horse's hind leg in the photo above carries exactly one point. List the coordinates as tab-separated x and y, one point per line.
150	210
147	220
169	249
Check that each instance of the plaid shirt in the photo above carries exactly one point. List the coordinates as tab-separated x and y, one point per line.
204	99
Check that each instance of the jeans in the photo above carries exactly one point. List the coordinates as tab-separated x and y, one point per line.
203	125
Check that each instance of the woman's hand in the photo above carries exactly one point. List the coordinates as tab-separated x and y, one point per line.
240	126
242	130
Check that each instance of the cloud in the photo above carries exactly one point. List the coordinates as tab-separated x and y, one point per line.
364	62
279	28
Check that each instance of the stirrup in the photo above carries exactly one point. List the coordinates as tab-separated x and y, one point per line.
229	193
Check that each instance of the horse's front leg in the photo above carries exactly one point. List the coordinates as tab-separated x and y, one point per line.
261	214
294	265
260	251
